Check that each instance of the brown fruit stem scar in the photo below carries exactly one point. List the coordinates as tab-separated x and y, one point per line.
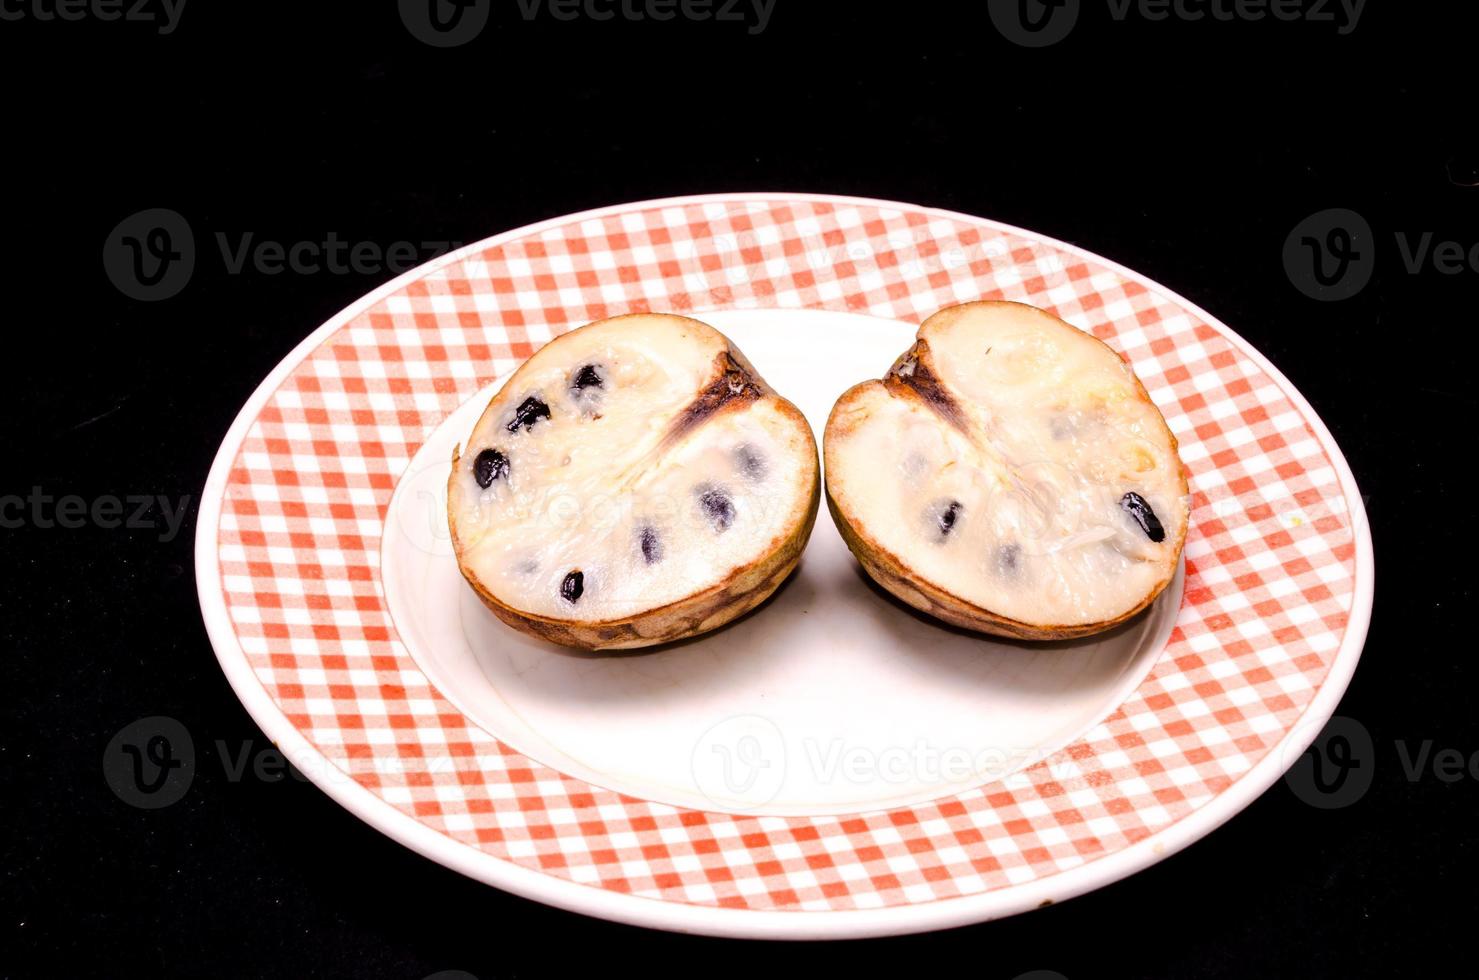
735	386
912	373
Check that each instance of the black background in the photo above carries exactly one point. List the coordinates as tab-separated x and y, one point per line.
1185	150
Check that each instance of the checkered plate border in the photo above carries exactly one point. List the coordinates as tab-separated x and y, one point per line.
1278	578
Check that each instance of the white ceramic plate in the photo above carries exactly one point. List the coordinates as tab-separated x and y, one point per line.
832	764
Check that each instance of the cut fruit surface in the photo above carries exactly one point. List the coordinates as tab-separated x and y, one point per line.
634	482
1009	474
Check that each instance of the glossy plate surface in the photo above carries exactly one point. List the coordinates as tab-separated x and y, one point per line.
833	764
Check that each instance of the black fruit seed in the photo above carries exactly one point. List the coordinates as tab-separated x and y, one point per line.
1136	507
1008	558
587	377
717	505
573	586
749	462
651	545
529	412
947	513
489	466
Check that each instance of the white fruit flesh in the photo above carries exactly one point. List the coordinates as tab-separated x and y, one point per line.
617	486
1040	434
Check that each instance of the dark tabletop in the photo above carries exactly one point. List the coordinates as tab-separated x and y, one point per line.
1186	149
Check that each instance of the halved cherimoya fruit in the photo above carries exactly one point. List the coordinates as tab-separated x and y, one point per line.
1010	475
634	482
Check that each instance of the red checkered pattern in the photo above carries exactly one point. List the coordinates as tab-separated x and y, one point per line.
1269	585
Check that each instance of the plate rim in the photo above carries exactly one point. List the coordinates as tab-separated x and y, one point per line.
795	924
